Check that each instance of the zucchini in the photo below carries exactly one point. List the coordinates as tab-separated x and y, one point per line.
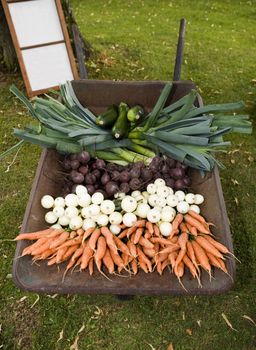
108	118
135	113
121	126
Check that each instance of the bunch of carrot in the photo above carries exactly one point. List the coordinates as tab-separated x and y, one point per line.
190	244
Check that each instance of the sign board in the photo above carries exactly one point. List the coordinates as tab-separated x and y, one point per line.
42	44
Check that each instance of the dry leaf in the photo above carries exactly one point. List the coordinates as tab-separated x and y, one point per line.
60	336
199	322
250	319
228	322
74	346
183	316
189	331
235	182
151	346
236	201
170	347
81	329
251	159
34	303
232	161
22	299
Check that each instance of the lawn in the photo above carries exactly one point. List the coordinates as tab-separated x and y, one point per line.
136	40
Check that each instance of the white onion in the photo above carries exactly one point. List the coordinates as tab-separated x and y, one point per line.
129	219
172	200
180	195
159	182
153	215
142	210
115	229
129	204
115	218
59	202
165	228
163	191
168	214
94	209
151	188
58	211
195	208
75	223
161	202
135	194
50	217
47	201
199	199
97	198
71	200
63	220
107	207
102	220
152	200
70	212
84	200
190	198
88	223
80	189
183	207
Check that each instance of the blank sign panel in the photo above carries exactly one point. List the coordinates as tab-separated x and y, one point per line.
36	22
47	66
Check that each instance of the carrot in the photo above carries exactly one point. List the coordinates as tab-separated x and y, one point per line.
149	252
101	248
179	273
223	249
191	255
142	257
183	227
52	261
146	243
197	224
121	246
42	248
139	223
72	234
198	217
93	239
109	238
165	263
147	235
143	266
159	268
68	267
70	242
122	226
29	249
80	232
125	259
191	268
77	253
138	234
123	234
174	239
134	266
33	235
55	233
132	248
87	233
86	257
169	249
47	253
201	257
182	241
156	231
90	267
150	227
116	258
60	253
61	239
72	249
204	243
160	258
217	262
108	262
177	221
172	258
161	240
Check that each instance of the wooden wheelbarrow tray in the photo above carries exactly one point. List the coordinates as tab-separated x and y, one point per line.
97	95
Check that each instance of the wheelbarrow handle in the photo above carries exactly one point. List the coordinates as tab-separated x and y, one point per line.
179	52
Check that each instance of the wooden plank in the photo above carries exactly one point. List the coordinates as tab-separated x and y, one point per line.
79	52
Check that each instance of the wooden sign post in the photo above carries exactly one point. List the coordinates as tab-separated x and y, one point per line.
42	43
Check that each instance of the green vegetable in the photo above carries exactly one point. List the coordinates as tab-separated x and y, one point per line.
108	118
121	126
135	113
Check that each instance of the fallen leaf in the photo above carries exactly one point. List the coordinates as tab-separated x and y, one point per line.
60	335
232	161
228	322
34	303
235	182
251	159
81	329
170	347
22	299
236	201
250	319
199	322
183	316
189	331
74	346
151	346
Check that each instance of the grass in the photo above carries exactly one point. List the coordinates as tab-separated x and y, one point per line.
136	40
